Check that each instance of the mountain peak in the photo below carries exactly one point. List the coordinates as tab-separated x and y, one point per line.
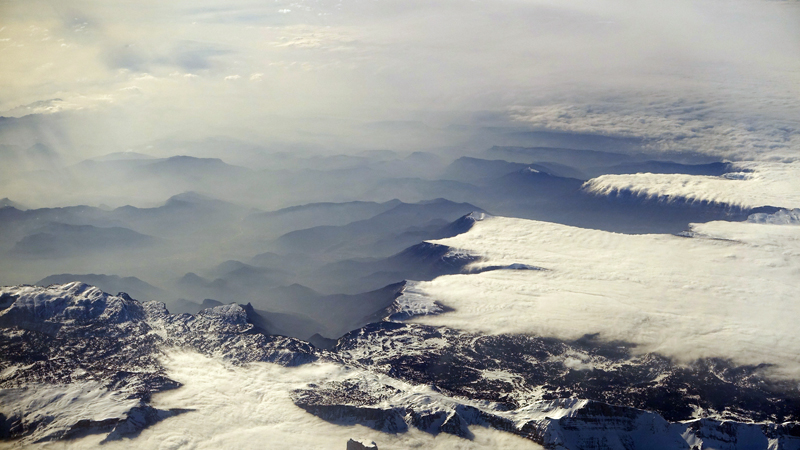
6	202
190	197
74	302
353	444
193	159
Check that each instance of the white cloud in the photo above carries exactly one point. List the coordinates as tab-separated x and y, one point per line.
767	184
72	102
143	77
256	77
232	77
612	67
132	89
314	37
679	124
731	292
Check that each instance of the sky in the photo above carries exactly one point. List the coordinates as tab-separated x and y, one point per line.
709	76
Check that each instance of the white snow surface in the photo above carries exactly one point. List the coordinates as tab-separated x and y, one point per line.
61	406
250	407
67	303
758	184
729	291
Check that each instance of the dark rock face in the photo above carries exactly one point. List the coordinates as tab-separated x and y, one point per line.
74	336
356	445
351	402
138	419
530	386
228	332
555	424
76	333
506	369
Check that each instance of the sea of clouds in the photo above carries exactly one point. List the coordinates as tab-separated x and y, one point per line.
729	291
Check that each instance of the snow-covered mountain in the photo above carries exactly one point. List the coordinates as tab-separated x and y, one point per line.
81	366
78	361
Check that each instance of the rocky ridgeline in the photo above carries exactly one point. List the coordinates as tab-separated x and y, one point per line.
90	362
564	395
352	444
72	339
515	370
557	424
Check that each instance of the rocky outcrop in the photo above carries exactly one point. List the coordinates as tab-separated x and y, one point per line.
516	370
556	424
352	444
580	395
91	361
73	341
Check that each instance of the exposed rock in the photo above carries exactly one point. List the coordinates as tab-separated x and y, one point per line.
515	370
76	342
101	355
358	445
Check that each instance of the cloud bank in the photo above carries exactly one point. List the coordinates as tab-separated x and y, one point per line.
727	292
759	184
